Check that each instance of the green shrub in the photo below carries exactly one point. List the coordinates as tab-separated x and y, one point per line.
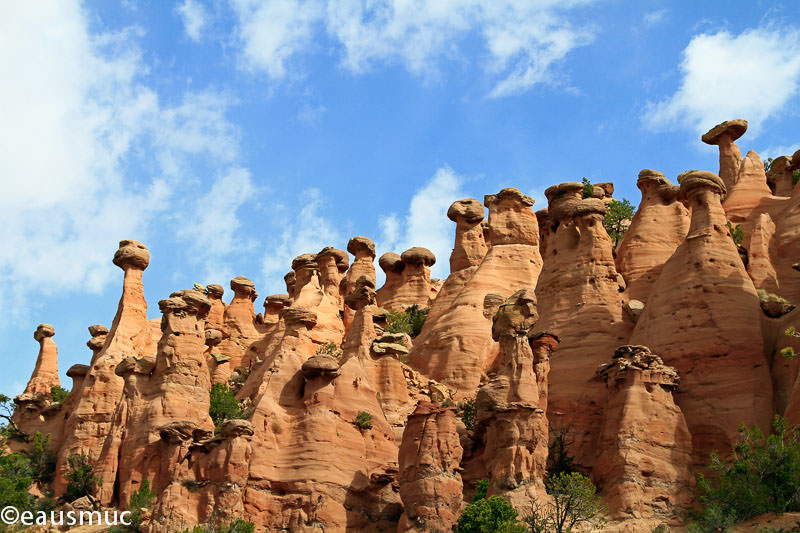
42	460
9	429
409	321
58	394
788	352
364	420
588	188
795	176
736	233
15	480
481	490
489	514
238	526
618	216
224	405
559	461
768	164
761	476
574	501
81	480
330	348
468	413
140	500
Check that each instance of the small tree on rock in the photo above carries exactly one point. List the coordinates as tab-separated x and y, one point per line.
575	502
617	219
81	480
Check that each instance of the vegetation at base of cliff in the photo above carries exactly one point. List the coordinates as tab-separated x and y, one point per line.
224	406
617	218
736	233
58	394
329	348
364	420
238	377
559	461
9	429
140	501
409	321
81	480
42	460
788	351
489	514
481	490
468	413
237	526
588	188
575	502
762	475
795	177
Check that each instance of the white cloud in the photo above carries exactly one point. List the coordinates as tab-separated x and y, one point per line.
426	223
88	153
304	231
652	18
194	18
523	39
777	151
752	75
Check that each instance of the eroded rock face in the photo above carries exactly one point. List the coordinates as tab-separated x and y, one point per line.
750	189
239	329
457	346
91	419
645	449
45	373
730	158
658	227
580	301
363	250
779	177
409	284
429	463
512	407
703	318
470	247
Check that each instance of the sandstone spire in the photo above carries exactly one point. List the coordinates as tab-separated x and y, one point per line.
779	177
45	373
392	266
239	330
645	448
430	479
730	158
579	285
91	419
469	248
703	318
658	227
457	346
363	250
750	188
216	316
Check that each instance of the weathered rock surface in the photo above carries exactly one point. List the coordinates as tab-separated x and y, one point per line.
658	227
408	282
580	301
703	318
730	158
645	449
45	373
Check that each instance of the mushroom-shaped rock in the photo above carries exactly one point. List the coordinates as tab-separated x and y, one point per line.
562	200
320	365
78	371
389	348
304	261
470	209
43	331
340	256
290	279
215	291
391	262
241	285
236	428
516	315
418	256
700	179
135	365
361	246
363	294
730	157
733	129
294	316
98	329
188	301
132	254
177	431
282	300
213	337
779	177
511	220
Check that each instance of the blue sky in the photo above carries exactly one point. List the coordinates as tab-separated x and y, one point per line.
230	136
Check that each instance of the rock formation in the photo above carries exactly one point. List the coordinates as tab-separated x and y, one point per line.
239	328
457	347
392	266
779	177
90	421
429	463
703	318
745	195
730	157
580	301
45	373
409	284
658	227
363	250
645	448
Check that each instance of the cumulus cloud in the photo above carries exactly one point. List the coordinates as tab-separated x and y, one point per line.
523	39
88	152
753	75
426	223
194	18
651	18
